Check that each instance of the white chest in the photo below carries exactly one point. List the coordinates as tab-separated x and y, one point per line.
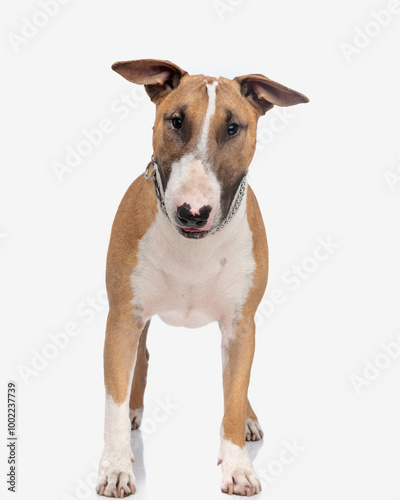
194	282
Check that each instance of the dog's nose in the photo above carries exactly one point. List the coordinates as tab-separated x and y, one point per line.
197	220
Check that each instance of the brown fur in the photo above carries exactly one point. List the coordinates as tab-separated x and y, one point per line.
134	216
230	157
178	95
140	376
236	375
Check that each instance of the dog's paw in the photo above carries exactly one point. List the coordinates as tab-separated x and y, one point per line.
253	430
116	478
136	417
238	476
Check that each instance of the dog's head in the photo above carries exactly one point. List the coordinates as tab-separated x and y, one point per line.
204	136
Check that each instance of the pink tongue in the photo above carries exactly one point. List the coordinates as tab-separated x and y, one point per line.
192	230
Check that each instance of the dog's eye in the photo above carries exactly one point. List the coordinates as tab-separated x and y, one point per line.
177	123
233	129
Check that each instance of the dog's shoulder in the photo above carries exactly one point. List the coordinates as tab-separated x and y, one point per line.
136	213
137	210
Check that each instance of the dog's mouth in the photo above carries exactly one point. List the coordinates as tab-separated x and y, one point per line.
192	233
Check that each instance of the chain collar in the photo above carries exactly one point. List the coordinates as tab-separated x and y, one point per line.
153	172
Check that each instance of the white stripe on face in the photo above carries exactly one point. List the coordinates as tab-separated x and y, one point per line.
202	144
191	181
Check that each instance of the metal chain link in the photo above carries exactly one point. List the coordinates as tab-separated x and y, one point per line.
153	174
241	192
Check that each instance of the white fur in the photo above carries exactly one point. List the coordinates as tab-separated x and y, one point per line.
194	282
254	431
192	180
212	97
189	183
115	470
238	474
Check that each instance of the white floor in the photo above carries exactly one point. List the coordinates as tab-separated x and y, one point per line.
321	438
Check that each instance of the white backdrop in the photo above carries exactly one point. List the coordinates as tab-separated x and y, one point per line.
325	381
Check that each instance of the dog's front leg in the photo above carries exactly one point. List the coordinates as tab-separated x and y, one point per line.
120	349
238	344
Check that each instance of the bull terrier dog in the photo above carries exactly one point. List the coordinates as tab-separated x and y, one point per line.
188	243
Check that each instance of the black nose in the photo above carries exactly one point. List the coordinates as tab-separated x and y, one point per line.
185	217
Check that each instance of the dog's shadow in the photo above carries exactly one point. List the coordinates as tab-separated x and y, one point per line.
253	447
138	467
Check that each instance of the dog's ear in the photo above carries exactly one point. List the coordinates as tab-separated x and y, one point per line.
264	93
158	77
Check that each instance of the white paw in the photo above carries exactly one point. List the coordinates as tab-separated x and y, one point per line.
116	478
253	430
238	476
136	416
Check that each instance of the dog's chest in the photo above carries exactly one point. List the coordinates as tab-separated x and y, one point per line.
193	282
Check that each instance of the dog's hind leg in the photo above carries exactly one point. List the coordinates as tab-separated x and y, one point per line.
139	381
253	428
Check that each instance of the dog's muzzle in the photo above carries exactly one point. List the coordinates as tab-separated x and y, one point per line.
187	223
